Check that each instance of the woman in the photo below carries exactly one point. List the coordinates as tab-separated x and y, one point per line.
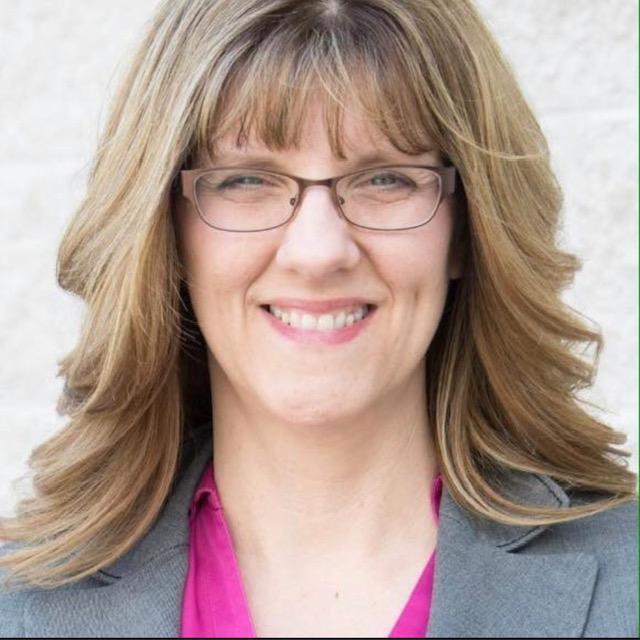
326	385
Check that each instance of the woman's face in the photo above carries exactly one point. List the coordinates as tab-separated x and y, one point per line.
318	259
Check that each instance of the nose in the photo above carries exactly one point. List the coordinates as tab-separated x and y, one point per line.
318	241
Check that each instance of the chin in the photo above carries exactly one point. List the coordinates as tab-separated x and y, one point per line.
302	409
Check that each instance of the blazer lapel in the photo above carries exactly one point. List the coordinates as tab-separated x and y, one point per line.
483	588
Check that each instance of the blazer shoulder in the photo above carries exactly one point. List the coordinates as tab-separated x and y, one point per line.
12	613
611	532
610	535
16	602
12	603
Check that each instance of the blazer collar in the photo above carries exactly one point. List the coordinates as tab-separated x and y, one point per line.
485	584
525	488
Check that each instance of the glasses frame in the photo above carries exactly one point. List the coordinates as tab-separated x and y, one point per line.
447	176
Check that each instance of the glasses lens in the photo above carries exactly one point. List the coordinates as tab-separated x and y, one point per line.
244	199
390	197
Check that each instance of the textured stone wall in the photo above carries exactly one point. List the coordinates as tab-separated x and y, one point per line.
59	59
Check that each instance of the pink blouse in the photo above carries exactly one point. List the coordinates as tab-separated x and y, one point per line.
214	603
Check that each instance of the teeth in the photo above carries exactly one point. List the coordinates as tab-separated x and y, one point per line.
308	322
325	322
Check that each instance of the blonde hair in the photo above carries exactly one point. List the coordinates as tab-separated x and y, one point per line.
504	368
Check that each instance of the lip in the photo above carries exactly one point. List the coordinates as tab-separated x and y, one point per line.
318	337
317	306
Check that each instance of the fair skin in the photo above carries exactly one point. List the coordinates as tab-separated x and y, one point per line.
323	454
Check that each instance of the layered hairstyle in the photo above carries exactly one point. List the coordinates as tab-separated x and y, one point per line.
507	363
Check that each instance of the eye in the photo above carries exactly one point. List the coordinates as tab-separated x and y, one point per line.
248	180
383	179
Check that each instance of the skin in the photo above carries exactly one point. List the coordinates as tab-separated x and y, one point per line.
323	454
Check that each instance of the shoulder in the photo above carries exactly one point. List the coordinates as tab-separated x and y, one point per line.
15	601
611	537
12	603
160	550
610	534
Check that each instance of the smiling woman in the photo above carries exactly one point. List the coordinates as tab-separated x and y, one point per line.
326	384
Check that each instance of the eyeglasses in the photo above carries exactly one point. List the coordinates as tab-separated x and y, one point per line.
388	198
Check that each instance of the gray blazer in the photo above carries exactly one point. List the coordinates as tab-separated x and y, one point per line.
568	580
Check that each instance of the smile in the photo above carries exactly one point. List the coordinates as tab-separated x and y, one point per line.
320	322
338	327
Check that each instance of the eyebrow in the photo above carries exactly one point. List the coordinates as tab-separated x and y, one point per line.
266	162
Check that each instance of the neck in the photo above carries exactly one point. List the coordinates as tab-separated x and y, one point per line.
346	489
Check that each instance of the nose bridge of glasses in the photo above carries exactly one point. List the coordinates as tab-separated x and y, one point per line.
304	184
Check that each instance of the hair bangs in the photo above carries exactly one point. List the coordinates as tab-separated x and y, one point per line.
268	91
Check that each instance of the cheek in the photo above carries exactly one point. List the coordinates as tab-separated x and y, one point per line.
218	267
418	275
418	261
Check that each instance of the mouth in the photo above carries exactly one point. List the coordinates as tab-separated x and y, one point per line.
303	320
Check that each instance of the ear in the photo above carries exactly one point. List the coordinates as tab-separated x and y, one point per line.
179	212
455	268
458	249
